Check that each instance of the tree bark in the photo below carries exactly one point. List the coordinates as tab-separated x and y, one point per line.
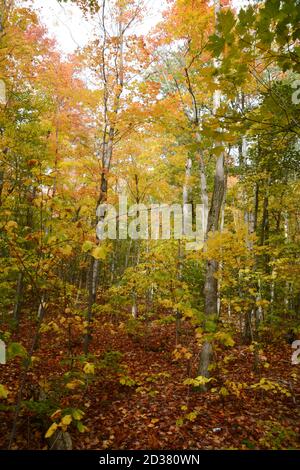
213	225
18	300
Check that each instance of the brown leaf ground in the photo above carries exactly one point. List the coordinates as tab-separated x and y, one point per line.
145	415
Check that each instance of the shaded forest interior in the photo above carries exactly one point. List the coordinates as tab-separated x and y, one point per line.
147	339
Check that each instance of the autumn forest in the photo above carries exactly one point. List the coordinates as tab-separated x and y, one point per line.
150	227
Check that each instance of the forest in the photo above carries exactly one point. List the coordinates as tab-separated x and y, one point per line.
150	227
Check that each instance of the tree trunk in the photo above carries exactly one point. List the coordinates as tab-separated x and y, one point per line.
203	190
186	191
17	306
213	224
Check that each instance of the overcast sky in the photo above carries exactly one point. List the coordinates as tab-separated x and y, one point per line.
66	23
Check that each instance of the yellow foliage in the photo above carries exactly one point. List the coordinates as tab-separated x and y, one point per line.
66	420
3	391
99	252
51	430
74	384
89	368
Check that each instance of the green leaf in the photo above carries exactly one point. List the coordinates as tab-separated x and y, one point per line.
81	427
227	21
87	246
16	350
77	414
216	44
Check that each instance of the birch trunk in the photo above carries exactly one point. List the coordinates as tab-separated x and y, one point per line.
213	224
186	187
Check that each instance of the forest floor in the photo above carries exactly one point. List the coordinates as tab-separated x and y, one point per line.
154	409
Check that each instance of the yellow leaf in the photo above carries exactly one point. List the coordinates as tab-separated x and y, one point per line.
192	416
99	252
223	391
35	359
225	338
77	414
89	368
11	224
200	380
66	250
3	391
51	430
66	420
74	384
